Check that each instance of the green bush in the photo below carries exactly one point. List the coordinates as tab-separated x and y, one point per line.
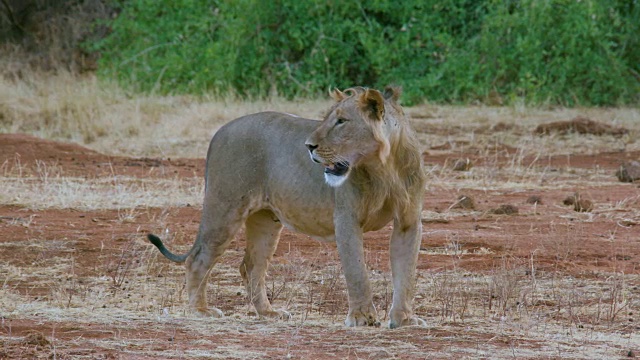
543	51
563	51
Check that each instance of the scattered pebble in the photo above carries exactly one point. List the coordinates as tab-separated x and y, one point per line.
502	127
569	200
464	202
505	209
35	337
462	165
534	200
629	172
579	204
583	205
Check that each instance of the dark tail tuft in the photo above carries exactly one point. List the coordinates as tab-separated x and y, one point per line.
155	241
164	251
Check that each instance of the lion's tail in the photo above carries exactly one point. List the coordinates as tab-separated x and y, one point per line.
164	251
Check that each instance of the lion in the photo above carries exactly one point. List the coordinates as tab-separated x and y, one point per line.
365	171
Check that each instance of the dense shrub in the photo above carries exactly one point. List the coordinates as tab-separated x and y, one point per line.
48	35
562	51
543	51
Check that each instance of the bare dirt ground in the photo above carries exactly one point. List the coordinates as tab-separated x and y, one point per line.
78	279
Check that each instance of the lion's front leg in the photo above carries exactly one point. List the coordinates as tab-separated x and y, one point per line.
405	244
362	312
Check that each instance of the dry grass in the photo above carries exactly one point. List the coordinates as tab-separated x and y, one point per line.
105	118
565	316
101	116
123	193
512	311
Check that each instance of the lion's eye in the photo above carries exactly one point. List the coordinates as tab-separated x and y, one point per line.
341	121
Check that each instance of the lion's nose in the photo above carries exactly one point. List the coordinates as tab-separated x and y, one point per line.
311	147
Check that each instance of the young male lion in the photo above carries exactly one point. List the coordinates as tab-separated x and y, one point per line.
366	171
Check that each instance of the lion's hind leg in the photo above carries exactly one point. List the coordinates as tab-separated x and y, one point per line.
263	232
215	234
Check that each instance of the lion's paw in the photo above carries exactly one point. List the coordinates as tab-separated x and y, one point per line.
276	314
411	320
210	312
362	318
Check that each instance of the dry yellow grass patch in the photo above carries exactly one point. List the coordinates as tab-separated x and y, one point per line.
107	119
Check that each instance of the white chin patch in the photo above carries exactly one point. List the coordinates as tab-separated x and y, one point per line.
334	180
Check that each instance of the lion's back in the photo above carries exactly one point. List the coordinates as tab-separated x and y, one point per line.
260	138
262	158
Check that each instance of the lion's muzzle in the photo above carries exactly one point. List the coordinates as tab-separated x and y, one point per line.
337	169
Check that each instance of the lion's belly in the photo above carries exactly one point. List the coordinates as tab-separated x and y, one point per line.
317	224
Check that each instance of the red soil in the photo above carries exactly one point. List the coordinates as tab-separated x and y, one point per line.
550	232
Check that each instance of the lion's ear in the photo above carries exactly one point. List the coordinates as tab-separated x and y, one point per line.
392	92
337	95
372	104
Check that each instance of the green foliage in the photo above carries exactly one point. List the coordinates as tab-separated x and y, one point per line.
567	52
563	51
161	45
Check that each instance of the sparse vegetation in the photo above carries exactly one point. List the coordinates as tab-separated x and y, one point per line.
524	279
77	278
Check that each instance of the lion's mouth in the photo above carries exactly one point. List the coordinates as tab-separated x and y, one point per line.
336	169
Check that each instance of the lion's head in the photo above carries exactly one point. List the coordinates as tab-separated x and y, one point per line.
356	130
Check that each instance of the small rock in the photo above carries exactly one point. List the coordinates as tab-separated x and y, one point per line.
570	200
631	354
629	172
505	209
502	127
583	205
35	338
462	165
464	202
579	204
534	200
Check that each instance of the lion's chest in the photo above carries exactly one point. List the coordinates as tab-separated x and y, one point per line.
377	220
